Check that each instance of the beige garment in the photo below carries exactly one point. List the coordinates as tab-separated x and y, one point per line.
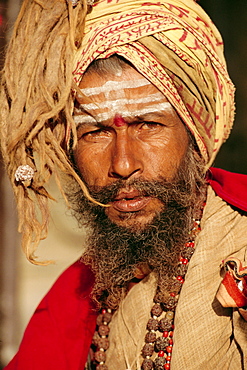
207	336
128	326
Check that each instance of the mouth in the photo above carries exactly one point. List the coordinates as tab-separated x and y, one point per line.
130	201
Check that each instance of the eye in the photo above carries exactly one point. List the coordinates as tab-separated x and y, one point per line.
95	135
150	125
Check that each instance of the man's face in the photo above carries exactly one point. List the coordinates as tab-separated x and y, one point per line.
127	130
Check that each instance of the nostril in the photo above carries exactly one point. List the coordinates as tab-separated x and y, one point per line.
124	177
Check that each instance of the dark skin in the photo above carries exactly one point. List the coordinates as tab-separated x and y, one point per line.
128	139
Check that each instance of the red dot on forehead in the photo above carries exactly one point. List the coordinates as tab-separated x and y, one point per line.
119	120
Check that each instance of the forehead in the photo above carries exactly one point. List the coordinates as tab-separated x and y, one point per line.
128	93
94	83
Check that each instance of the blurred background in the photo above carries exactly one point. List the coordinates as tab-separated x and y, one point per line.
22	285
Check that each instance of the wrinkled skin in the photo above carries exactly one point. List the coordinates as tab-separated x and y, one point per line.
122	137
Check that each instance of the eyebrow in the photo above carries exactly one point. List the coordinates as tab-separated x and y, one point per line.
87	120
149	115
89	124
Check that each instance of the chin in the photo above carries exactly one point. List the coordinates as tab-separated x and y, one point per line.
134	221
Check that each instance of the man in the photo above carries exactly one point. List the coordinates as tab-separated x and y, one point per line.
136	131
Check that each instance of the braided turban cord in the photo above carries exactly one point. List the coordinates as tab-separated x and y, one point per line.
172	43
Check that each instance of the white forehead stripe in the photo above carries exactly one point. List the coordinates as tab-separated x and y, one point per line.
115	86
116	101
121	101
104	116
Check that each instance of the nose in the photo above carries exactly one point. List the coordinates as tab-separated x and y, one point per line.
125	157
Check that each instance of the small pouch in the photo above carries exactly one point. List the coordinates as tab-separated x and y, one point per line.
233	288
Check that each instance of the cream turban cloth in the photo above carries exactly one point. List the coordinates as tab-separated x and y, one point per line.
175	45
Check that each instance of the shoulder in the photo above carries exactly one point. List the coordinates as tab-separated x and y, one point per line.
72	288
231	187
60	330
77	276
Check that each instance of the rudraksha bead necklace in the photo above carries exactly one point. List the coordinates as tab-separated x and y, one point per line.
163	312
160	326
100	341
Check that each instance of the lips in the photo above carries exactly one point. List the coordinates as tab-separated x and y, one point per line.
130	201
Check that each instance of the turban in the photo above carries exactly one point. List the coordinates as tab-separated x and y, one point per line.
175	45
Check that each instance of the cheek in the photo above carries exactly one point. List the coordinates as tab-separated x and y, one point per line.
164	157
92	166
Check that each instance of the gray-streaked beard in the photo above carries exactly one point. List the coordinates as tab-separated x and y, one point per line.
114	252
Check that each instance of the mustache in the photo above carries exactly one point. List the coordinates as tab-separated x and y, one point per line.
162	189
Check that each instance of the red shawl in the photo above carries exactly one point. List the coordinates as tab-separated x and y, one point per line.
59	333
